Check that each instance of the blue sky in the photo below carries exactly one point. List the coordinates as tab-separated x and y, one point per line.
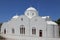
9	8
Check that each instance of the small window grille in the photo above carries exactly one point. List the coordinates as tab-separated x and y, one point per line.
4	31
12	30
33	30
21	19
22	29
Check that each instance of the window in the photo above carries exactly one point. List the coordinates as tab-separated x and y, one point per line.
27	13
22	29
21	19
32	14
40	33
12	30
4	31
33	30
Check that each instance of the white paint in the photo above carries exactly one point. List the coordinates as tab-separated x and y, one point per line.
16	16
31	12
51	22
30	20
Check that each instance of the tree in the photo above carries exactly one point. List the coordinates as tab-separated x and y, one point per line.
58	22
0	26
0	30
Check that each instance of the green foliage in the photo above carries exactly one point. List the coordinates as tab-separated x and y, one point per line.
0	28
0	25
58	21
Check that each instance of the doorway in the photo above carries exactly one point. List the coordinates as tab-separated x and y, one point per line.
40	33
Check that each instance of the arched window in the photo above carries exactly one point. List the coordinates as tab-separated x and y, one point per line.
34	30
27	13
13	30
32	14
40	33
4	31
22	29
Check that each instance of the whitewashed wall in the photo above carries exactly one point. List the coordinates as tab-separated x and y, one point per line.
37	22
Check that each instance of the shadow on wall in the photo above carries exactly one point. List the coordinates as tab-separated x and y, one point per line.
1	38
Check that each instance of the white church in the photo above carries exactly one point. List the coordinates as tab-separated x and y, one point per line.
30	26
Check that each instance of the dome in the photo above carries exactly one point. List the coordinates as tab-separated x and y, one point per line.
31	8
16	16
31	12
46	17
51	22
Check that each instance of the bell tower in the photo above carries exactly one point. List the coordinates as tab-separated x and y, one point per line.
31	12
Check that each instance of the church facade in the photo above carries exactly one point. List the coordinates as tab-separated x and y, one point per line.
30	26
